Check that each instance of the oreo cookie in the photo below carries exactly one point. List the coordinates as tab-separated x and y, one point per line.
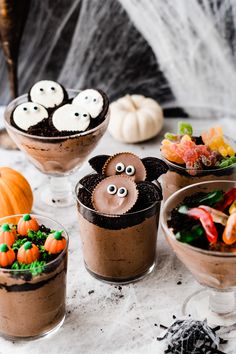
155	167
97	162
89	182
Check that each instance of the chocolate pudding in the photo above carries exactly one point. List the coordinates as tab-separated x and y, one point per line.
211	268
33	307
119	250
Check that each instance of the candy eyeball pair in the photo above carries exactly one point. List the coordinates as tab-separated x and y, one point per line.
121	192
129	170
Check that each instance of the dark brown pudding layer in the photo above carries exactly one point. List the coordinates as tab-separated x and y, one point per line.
32	308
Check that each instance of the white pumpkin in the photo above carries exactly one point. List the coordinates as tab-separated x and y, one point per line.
135	118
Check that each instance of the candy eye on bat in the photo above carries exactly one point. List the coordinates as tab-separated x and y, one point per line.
120	167
130	170
122	192
112	189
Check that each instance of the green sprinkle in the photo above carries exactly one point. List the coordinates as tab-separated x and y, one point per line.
185	128
28	245
227	162
26	217
57	235
6	227
36	267
4	247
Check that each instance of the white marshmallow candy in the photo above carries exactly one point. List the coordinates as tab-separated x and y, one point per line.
91	100
48	93
71	118
28	114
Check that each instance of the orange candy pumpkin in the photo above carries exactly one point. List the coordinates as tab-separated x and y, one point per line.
28	253
55	243
7	255
27	223
7	235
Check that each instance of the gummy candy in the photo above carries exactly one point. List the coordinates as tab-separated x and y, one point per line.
168	151
215	140
229	234
232	208
185	128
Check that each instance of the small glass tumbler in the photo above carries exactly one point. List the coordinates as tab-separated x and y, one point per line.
118	248
33	305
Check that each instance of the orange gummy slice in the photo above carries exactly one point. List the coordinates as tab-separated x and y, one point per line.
168	150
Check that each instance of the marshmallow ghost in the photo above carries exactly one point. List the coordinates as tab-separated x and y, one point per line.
28	114
71	118
48	93
91	100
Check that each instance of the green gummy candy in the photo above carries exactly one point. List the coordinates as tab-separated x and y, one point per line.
185	128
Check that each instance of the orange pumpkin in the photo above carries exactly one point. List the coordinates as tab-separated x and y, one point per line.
16	195
27	223
7	235
28	253
7	255
55	243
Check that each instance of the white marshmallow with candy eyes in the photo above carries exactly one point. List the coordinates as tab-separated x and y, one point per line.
91	100
29	114
48	93
71	118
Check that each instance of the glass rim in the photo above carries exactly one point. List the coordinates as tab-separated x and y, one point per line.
7	270
169	233
52	138
112	215
179	167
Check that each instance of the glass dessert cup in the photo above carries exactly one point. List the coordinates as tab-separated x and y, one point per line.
32	306
214	270
57	157
177	177
118	248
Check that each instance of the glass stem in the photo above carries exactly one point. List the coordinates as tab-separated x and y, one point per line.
60	188
222	302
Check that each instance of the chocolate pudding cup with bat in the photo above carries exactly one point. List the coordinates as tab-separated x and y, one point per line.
118	211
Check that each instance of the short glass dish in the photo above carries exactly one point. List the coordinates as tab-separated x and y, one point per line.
178	176
33	305
214	270
56	157
118	248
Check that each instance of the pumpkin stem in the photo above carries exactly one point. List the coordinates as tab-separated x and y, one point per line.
134	106
26	217
27	245
4	247
57	235
5	227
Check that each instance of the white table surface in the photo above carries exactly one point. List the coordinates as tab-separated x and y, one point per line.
110	320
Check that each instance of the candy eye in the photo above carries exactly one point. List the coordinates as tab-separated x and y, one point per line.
130	170
85	115
120	167
41	89
86	97
35	108
94	100
112	189
122	192
53	88
77	114
25	109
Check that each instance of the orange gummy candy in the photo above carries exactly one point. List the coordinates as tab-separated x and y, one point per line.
168	150
214	138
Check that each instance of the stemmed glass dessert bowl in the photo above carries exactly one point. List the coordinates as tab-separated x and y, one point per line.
56	157
215	270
